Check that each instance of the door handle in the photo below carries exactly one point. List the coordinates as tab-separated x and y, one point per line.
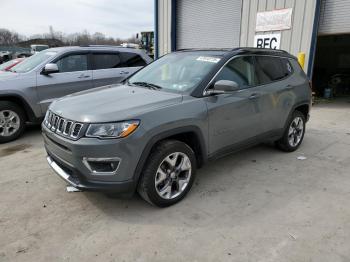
254	96
124	73
83	76
289	87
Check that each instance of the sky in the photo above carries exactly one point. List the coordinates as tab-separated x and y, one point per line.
114	18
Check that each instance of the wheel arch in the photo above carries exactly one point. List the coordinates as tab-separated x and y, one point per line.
191	135
20	101
304	109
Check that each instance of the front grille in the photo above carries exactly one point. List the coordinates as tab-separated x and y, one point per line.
62	126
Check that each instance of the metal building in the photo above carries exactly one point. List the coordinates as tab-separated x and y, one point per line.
298	26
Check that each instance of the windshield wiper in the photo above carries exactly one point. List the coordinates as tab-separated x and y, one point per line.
145	84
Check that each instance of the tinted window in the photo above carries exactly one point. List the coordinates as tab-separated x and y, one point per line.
72	63
240	70
132	60
106	61
271	69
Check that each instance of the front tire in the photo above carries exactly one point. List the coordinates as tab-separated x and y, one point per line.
168	174
294	134
12	121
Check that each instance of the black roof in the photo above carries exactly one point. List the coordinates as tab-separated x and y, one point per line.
243	50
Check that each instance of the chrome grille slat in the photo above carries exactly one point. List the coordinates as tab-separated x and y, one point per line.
68	127
76	130
54	121
63	126
49	119
60	125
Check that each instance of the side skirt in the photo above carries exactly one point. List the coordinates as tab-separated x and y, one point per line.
264	138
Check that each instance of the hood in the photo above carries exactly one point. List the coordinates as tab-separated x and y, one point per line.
5	75
112	103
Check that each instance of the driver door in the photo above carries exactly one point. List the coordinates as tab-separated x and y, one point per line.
236	117
73	76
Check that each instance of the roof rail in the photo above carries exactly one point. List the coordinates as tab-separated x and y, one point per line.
250	49
204	49
100	46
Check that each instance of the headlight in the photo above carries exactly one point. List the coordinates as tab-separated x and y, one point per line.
112	130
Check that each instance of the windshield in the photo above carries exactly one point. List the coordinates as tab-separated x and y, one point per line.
177	72
32	62
7	64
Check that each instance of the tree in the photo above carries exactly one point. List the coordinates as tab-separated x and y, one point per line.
8	38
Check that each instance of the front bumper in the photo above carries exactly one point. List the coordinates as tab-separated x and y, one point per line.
78	182
66	157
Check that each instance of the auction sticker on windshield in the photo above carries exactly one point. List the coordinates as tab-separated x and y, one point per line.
208	59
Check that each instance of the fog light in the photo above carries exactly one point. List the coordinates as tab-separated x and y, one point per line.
102	166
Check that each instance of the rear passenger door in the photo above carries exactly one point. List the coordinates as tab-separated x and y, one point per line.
107	68
114	67
273	73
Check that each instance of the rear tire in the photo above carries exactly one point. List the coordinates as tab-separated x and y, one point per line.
168	173
12	121
294	134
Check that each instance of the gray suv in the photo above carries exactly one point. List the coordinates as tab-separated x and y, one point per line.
29	88
152	132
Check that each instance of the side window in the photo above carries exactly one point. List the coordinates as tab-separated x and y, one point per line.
287	67
72	63
241	70
271	69
132	60
106	61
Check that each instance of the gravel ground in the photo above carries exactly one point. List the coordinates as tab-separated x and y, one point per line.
257	205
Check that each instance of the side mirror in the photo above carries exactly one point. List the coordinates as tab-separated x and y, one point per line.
50	69
223	86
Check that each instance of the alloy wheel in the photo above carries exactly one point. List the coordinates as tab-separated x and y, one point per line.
173	175
295	133
9	123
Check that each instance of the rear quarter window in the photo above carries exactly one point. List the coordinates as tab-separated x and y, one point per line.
132	60
270	69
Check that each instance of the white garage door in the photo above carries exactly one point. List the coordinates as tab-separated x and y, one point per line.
335	17
208	23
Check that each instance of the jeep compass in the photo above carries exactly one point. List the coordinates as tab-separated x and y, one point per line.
150	133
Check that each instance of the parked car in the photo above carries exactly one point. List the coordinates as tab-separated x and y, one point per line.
152	132
38	48
28	88
5	56
23	55
8	65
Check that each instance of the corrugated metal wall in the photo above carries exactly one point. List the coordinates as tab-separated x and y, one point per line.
164	27
295	40
208	24
335	17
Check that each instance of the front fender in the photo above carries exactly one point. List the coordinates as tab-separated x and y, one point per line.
166	134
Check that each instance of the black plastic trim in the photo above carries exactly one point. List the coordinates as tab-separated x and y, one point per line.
159	137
